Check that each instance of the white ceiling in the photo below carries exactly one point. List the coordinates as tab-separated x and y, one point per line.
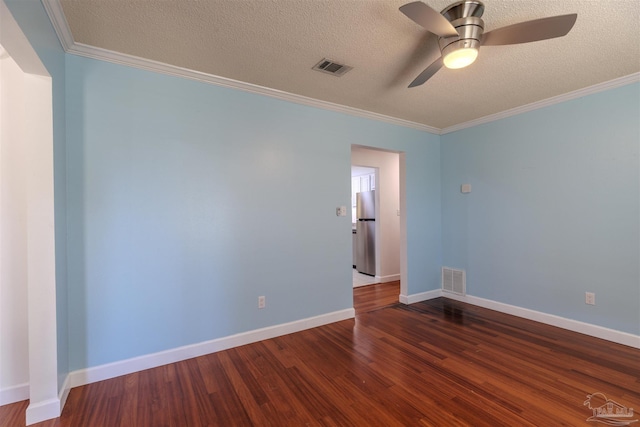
274	44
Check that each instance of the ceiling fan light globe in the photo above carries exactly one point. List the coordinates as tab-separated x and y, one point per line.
460	58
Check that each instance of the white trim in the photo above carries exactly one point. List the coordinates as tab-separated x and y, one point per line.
59	22
608	334
124	367
422	296
172	70
61	27
600	87
365	284
112	370
619	337
13	394
41	268
389	278
43	410
64	392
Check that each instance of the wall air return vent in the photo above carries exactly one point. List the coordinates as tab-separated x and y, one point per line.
454	281
330	67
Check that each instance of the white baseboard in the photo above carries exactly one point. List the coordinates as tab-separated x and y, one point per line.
422	296
608	334
389	278
64	392
38	412
612	335
13	394
379	281
124	367
52	408
42	411
365	284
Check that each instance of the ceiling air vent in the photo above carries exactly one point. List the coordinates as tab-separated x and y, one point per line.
330	67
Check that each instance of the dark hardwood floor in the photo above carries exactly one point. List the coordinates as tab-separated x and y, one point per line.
434	363
373	297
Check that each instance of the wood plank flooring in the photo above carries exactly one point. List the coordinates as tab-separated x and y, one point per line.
434	363
373	297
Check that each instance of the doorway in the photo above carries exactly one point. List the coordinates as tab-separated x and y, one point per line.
363	180
380	170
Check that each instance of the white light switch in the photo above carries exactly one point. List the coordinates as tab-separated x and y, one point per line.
341	211
465	188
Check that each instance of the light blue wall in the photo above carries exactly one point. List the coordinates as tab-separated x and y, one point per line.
35	24
553	210
187	201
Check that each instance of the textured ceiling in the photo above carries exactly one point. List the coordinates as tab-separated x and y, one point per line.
274	43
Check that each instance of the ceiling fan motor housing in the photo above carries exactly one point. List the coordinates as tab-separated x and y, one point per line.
465	16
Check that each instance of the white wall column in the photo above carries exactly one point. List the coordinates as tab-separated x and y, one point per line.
43	362
14	332
35	137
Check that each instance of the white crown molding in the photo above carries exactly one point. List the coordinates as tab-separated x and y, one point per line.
160	67
600	87
56	15
59	22
61	27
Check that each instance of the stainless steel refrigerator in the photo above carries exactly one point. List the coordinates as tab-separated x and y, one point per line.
366	232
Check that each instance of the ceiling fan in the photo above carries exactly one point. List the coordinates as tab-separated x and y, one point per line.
460	32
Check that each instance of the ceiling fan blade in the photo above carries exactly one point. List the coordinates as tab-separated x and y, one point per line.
531	31
429	18
427	73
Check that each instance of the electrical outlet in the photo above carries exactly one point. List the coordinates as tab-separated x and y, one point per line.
341	211
262	302
590	298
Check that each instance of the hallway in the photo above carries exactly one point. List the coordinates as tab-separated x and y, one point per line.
360	279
